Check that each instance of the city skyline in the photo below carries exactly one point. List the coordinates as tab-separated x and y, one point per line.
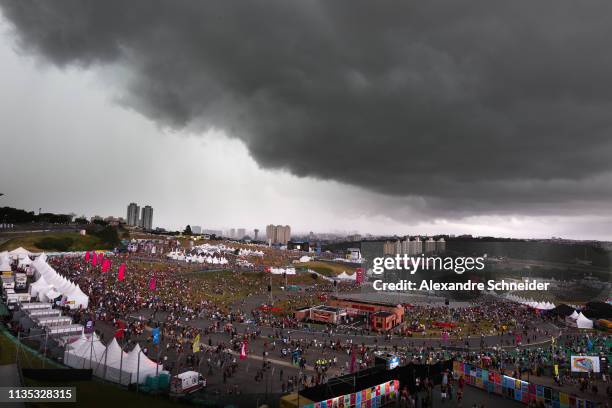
436	136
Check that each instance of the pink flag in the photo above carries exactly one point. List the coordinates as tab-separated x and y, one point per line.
106	265
152	283
101	259
87	255
94	259
243	350
121	274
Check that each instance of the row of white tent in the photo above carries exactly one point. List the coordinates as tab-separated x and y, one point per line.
179	256
22	256
530	302
576	319
280	271
249	252
50	285
110	362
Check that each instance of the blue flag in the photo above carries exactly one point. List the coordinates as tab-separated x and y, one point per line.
156	335
589	344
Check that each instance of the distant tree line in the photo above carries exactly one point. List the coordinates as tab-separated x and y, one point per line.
18	216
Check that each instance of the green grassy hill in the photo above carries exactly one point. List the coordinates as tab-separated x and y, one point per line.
55	241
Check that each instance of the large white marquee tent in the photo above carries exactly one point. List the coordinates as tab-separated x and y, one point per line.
50	285
111	362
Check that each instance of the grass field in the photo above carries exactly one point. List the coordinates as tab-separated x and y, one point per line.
100	394
79	242
327	268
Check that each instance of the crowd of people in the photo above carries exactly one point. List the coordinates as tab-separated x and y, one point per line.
171	297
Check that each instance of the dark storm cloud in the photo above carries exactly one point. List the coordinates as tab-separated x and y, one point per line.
477	105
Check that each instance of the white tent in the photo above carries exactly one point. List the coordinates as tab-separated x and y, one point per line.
85	353
574	315
54	285
140	365
24	262
19	253
114	358
5	263
346	276
49	295
582	322
39	286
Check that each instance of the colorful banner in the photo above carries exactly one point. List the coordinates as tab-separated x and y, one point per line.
585	364
517	389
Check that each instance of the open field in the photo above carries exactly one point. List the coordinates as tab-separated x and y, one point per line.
31	241
327	268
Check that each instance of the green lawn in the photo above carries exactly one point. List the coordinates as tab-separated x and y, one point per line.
327	268
100	394
79	242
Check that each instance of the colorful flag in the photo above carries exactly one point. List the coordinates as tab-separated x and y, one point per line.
243	350
94	259
152	283
120	329
87	256
196	344
121	272
106	265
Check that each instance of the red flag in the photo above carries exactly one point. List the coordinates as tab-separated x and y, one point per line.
243	350
152	283
106	265
120	329
121	274
352	359
94	259
87	256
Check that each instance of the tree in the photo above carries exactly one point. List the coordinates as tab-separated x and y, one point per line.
187	230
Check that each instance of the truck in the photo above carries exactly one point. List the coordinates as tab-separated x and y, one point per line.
8	282
186	383
21	281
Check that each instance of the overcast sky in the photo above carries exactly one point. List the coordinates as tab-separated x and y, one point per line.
481	117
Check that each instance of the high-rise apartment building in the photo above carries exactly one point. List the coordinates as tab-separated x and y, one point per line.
278	234
241	232
430	246
147	217
132	214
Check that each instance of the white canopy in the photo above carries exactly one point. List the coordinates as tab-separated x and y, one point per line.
40	285
19	253
280	271
582	322
5	263
23	262
114	354
574	315
346	276
55	284
140	365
